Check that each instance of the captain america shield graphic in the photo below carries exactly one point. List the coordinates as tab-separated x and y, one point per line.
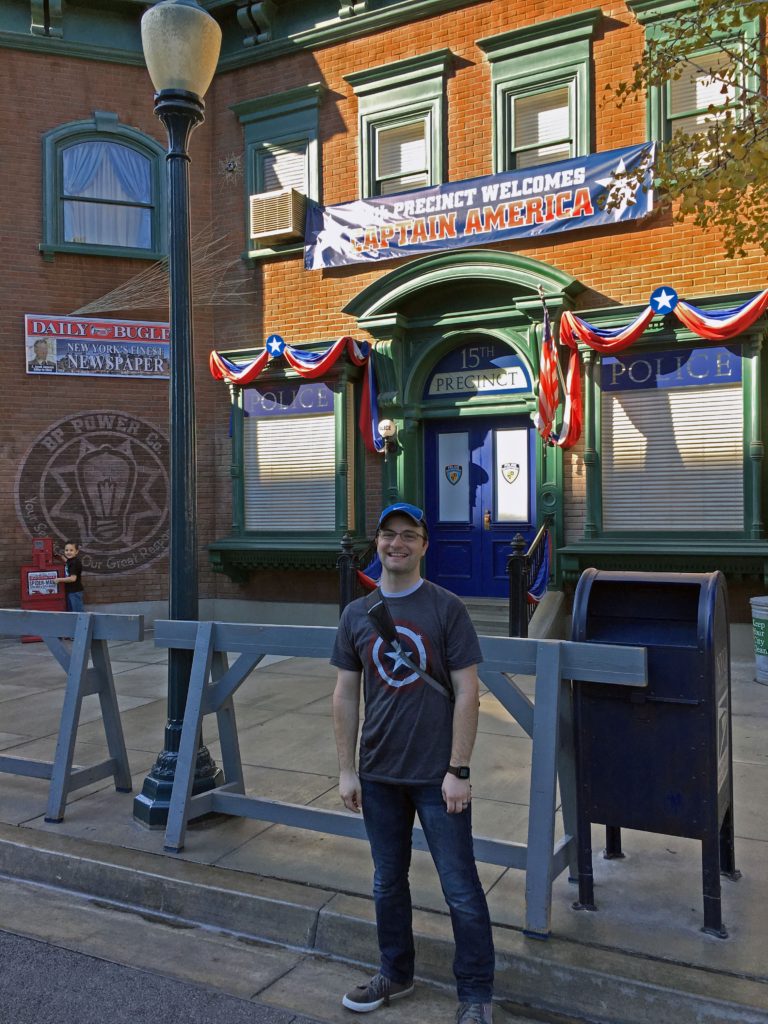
389	662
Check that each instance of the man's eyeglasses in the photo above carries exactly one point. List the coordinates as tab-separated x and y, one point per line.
409	536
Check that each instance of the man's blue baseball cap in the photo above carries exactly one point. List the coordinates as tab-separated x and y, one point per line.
403	508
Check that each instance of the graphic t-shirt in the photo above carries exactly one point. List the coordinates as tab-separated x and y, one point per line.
73	567
407	729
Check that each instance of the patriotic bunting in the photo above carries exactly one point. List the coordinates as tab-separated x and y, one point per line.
713	325
311	365
602	339
725	323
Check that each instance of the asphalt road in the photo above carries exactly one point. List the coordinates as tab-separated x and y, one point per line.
44	984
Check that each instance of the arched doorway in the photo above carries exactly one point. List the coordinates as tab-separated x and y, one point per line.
457	343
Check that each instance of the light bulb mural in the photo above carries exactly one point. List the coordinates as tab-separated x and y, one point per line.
100	478
106	479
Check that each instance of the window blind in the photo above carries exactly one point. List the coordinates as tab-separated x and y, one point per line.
542	132
673	459
401	157
289	471
284	168
696	90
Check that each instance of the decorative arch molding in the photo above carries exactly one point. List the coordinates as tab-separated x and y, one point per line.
426	357
521	274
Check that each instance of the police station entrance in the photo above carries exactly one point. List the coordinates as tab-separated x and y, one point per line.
479	472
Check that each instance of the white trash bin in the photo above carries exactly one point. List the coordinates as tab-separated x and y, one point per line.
760	633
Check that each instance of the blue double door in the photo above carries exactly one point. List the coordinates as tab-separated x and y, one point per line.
479	492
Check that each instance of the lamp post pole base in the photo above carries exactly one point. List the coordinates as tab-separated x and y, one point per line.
150	807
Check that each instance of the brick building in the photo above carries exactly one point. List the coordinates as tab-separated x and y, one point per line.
339	102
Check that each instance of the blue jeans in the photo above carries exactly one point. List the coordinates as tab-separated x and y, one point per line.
388	812
75	601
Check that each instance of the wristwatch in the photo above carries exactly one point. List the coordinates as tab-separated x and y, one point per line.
462	772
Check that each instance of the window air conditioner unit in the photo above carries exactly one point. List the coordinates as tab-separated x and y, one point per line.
278	216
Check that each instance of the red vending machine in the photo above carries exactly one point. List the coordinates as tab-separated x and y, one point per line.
39	589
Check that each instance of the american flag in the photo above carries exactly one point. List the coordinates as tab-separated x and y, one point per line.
549	388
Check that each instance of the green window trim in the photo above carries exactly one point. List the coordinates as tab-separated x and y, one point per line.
102	127
282	120
308	548
654	16
660	337
395	95
540	59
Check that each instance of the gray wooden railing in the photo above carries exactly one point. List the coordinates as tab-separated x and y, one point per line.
547	720
89	632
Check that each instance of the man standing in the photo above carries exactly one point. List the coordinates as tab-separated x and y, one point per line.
415	747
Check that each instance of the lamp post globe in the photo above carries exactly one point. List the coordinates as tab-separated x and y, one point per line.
181	45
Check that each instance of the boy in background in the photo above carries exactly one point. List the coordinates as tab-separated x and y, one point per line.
73	577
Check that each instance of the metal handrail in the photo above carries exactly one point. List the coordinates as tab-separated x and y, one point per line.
522	568
348	564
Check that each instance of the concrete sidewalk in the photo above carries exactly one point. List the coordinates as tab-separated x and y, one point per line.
641	958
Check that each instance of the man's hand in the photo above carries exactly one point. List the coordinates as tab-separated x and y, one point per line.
457	793
349	791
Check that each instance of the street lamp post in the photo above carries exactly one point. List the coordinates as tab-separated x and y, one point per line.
181	46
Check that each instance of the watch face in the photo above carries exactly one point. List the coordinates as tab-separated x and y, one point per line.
460	773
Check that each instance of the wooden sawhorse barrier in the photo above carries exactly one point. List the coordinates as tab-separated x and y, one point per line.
89	632
547	721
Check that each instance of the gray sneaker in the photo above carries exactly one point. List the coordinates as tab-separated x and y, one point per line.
379	991
474	1013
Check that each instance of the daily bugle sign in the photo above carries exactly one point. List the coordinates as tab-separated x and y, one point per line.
517	204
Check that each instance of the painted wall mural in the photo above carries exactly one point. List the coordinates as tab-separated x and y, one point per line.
99	478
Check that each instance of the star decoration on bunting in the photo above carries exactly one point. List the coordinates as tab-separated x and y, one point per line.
275	345
663	300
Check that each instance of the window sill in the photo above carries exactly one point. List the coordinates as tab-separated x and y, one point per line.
238	556
288	249
732	556
48	251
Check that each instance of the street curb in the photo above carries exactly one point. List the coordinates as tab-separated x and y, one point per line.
559	976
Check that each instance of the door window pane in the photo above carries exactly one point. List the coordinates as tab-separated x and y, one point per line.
511	476
453	478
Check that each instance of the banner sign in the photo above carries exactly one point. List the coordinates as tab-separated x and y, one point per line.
77	346
690	367
288	399
488	368
517	204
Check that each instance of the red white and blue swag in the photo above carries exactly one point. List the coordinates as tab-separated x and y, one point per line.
713	325
311	365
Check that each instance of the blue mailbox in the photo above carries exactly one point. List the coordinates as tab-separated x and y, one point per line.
659	758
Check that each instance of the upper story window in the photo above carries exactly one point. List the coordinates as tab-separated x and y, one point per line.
704	83
402	156
279	167
711	80
282	165
542	91
541	127
401	118
103	190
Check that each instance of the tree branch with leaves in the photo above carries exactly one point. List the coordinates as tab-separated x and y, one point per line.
713	169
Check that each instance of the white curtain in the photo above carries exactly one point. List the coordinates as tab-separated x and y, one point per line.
116	175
